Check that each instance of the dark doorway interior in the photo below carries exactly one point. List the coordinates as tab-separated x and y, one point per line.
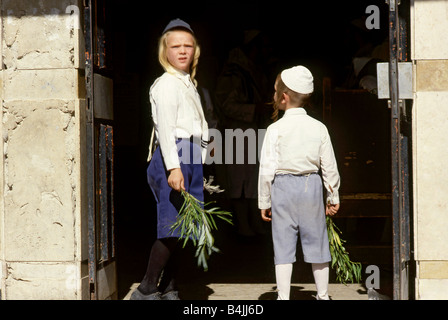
316	34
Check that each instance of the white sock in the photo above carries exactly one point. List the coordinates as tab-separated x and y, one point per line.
321	273
283	273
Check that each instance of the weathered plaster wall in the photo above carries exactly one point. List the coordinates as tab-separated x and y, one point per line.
40	180
429	24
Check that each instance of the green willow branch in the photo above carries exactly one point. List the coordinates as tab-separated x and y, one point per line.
346	270
196	222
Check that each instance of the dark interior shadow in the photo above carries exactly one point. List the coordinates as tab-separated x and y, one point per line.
135	69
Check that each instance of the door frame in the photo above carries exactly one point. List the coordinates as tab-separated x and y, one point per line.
99	156
401	154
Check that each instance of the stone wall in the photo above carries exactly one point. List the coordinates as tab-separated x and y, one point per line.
429	41
41	194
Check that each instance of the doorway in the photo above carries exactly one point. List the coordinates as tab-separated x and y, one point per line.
324	37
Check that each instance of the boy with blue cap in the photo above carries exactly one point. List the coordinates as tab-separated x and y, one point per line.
180	127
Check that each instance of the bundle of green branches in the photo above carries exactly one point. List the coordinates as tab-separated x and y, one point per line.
346	270
196	222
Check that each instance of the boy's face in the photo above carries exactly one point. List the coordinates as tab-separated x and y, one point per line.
180	49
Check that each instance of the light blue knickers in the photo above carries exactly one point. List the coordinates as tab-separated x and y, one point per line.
298	208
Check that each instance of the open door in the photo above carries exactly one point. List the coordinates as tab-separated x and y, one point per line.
373	146
400	140
100	155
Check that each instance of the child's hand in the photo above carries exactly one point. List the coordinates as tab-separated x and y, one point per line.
331	209
176	179
266	214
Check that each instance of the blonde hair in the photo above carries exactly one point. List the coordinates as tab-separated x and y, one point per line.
296	98
166	65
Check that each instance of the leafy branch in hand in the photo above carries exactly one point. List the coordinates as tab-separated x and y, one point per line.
196	222
346	270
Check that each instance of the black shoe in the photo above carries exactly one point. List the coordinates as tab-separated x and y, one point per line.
137	295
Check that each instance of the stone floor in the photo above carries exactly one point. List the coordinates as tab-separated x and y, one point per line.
244	270
263	291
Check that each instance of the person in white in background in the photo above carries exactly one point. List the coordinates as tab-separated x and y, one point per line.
296	150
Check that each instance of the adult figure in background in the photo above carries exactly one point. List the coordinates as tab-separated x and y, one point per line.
243	92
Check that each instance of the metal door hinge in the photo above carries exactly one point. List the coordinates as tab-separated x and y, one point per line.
405	90
391	4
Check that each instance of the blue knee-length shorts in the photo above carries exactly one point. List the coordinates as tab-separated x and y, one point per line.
298	209
168	200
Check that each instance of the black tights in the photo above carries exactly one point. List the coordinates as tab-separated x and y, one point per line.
159	260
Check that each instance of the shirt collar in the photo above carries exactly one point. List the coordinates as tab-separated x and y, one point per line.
184	76
295	111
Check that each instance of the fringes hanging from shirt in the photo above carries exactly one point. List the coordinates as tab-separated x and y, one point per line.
306	182
204	143
209	187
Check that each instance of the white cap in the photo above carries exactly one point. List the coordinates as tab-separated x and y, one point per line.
298	79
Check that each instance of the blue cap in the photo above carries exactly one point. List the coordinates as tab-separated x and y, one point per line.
177	23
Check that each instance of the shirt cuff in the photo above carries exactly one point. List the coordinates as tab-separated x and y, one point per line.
264	202
333	198
172	162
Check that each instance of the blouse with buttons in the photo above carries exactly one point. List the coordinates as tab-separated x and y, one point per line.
177	113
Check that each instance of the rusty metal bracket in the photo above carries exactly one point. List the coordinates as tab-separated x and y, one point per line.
90	148
404	70
400	157
391	4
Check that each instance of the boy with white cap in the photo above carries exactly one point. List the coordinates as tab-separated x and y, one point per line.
295	150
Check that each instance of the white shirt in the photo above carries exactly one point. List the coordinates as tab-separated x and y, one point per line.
177	113
297	144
